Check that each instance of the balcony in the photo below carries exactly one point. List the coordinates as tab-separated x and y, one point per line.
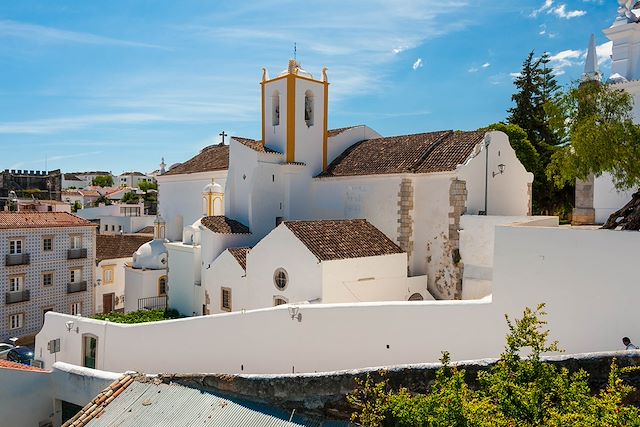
17	259
77	253
152	303
76	287
17	296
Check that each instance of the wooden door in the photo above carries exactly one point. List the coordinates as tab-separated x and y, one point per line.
107	303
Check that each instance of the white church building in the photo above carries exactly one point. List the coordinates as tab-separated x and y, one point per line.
411	188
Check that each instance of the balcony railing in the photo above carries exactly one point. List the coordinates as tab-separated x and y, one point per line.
76	287
17	259
77	253
17	296
152	303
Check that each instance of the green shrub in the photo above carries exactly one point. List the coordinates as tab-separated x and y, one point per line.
141	316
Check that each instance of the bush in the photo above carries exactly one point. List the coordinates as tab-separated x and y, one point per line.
141	316
516	391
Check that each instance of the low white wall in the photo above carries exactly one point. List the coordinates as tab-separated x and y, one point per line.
591	297
25	397
79	385
606	199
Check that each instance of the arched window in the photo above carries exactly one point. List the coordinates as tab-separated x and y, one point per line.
281	279
416	297
279	300
275	108
162	286
308	108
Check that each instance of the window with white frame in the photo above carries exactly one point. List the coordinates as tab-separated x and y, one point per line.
280	278
225	299
15	246
16	283
108	275
76	275
47	244
47	279
76	308
76	242
16	320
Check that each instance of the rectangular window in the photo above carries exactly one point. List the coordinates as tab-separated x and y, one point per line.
76	275
16	320
113	228
47	244
76	308
47	279
225	299
15	247
16	283
119	228
90	345
108	275
106	227
76	242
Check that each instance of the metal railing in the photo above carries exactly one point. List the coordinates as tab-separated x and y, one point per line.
17	259
152	303
76	287
17	296
77	253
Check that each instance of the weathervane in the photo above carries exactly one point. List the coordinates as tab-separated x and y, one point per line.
294	51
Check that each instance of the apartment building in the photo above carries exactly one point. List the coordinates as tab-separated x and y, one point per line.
47	263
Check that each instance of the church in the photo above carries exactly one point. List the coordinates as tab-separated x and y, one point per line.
411	189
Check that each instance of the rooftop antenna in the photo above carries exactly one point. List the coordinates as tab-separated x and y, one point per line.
295	51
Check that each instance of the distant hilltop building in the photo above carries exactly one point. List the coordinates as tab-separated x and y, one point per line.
27	183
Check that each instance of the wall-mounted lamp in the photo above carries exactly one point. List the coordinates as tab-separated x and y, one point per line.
294	312
500	170
69	325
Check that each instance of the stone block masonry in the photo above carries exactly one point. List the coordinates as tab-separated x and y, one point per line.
458	206
405	216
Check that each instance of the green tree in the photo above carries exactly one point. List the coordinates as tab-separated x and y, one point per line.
536	86
517	391
130	197
103	181
102	199
76	206
147	185
595	122
525	151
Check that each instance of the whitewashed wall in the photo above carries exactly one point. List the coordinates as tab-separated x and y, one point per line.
226	272
180	198
606	199
140	284
25	397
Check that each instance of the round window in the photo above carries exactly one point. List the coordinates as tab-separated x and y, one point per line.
280	278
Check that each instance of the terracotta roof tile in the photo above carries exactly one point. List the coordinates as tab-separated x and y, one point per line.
342	239
240	254
212	158
13	365
254	145
10	220
118	246
418	153
223	225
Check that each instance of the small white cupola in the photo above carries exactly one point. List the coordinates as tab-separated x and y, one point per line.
213	199
159	227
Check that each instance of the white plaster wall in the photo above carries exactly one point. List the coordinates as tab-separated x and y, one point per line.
590	308
267	198
281	249
180	198
507	192
606	199
25	397
77	384
275	136
243	162
226	272
140	284
185	291
117	287
375	278
477	238
308	148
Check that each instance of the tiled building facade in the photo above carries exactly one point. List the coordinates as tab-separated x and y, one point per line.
47	265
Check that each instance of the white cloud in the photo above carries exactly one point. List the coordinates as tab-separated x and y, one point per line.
545	6
39	33
45	126
565	59
562	12
515	75
417	64
486	65
604	52
473	70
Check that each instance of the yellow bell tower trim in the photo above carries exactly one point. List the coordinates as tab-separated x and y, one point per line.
264	79
325	130
291	117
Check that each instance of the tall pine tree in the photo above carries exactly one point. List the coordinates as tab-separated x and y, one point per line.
537	86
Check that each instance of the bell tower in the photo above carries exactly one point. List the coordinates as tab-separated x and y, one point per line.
294	115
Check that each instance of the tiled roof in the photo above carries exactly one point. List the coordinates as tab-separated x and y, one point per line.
338	131
254	145
135	173
419	153
13	365
10	220
342	239
89	193
140	401
118	246
223	225
240	254
147	230
212	158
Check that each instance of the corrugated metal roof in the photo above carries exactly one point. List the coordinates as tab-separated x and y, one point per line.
157	405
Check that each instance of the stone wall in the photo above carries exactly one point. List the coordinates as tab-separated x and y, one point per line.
584	212
405	217
458	206
323	396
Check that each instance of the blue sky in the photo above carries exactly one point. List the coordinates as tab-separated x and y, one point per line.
117	85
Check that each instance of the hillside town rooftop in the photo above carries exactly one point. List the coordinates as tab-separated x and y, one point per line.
11	220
